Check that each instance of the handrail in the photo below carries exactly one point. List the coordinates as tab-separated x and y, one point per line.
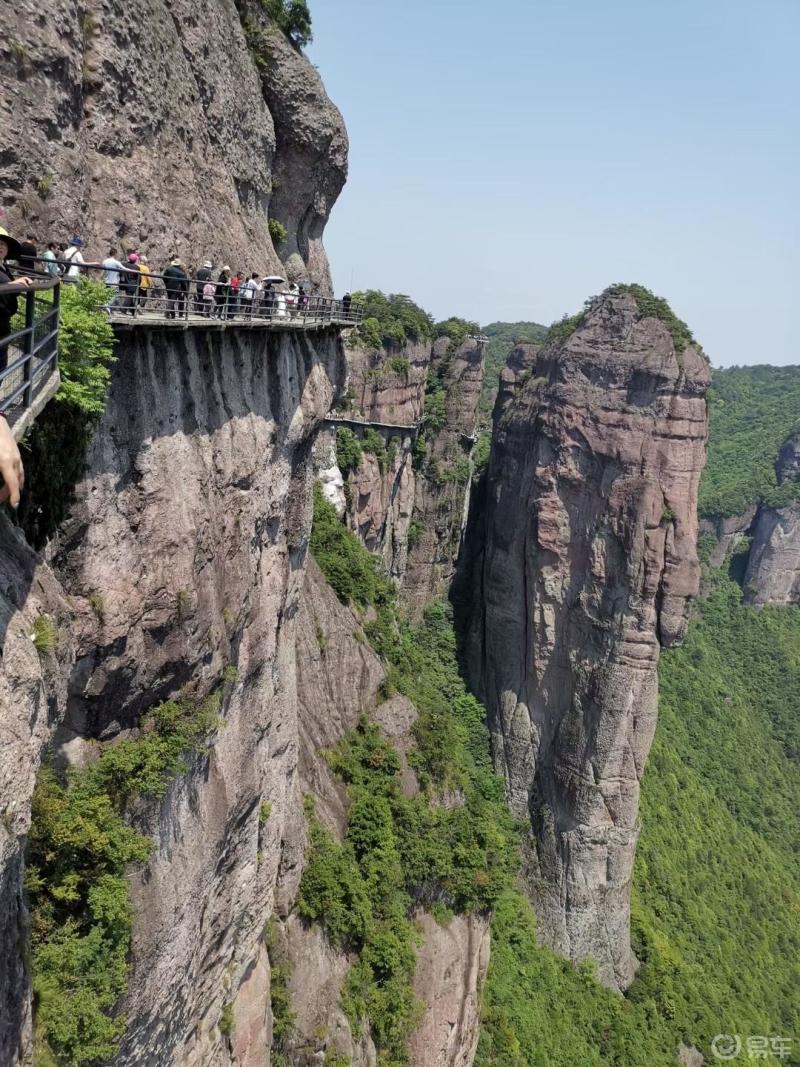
29	353
168	298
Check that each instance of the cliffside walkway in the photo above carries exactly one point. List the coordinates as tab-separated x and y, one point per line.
29	353
346	420
179	303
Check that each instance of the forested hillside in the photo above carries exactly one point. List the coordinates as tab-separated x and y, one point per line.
752	411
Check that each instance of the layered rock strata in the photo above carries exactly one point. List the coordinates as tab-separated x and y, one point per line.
443	484
588	567
163	129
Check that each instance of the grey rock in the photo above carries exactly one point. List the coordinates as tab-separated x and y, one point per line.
773	567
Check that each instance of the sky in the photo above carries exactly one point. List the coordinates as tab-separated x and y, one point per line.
508	160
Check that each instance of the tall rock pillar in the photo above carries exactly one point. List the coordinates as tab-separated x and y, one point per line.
587	570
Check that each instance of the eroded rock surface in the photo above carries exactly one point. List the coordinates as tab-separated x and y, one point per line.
153	124
33	695
773	567
589	567
191	530
442	488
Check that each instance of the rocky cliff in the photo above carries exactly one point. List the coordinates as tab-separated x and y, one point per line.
773	566
586	569
442	491
176	127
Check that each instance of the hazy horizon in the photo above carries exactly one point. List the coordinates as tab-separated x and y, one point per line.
505	169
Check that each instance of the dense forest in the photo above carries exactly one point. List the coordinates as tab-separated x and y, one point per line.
752	411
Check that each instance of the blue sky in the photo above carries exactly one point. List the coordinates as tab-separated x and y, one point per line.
509	160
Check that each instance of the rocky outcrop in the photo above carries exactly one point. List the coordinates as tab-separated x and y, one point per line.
386	386
729	532
158	127
451	968
588	568
37	658
442	489
773	566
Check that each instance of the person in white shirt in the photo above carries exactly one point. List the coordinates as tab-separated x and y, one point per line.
111	269
248	294
73	257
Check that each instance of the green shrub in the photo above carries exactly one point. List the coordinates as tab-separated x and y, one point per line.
55	449
293	18
392	321
656	307
226	1020
348	450
277	231
458	330
374	443
45	634
399	365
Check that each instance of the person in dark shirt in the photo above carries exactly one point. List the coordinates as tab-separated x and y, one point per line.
9	249
129	281
203	276
176	282
28	253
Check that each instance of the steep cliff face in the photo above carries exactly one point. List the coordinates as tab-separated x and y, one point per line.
587	569
773	567
441	502
36	662
156	126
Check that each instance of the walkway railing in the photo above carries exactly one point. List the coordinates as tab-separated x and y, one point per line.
29	353
167	300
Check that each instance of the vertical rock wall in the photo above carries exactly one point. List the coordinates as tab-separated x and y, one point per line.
154	124
588	567
443	484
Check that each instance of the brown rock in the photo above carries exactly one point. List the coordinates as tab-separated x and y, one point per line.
153	125
589	567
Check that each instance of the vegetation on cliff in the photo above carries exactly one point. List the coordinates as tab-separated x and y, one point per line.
391	321
503	336
79	847
55	449
402	853
752	411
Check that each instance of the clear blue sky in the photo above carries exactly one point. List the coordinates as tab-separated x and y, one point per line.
510	159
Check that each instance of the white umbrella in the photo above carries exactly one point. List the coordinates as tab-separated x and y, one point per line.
273	279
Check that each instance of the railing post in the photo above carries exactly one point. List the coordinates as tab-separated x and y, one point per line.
27	350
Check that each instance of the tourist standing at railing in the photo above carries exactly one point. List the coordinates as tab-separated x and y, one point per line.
145	282
28	253
129	285
176	282
50	259
202	278
73	259
236	286
9	249
111	272
223	293
249	295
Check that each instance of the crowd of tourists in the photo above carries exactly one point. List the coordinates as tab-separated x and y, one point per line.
208	291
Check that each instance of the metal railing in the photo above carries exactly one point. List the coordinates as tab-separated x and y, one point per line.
164	298
29	352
